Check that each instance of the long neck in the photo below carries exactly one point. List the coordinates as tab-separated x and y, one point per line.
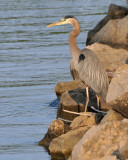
75	51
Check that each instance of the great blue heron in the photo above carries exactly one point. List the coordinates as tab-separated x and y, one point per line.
90	70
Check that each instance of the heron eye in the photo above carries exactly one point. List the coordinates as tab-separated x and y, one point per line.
63	19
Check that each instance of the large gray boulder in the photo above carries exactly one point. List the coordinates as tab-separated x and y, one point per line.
111	29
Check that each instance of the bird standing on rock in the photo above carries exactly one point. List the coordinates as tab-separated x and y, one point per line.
85	65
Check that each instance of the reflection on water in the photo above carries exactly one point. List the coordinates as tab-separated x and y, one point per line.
33	59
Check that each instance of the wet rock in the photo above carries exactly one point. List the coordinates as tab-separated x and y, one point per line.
74	100
56	128
110	57
64	144
111	30
55	103
112	116
62	87
102	140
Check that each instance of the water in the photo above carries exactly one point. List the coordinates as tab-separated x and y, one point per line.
33	59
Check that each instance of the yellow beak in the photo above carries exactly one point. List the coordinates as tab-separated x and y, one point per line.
56	23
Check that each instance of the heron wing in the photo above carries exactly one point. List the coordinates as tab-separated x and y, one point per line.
92	72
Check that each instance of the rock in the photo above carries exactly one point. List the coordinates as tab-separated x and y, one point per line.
119	84
103	158
120	104
56	128
124	151
107	158
63	145
113	23
79	121
62	87
112	116
85	120
118	36
117	97
74	100
55	103
102	140
110	57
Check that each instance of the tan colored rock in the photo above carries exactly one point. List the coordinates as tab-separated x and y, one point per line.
112	116
124	151
100	141
74	100
79	121
107	158
103	158
117	97
111	58
85	120
119	84
111	30
56	128
64	144
62	87
120	104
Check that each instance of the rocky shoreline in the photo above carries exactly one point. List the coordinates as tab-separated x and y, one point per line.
98	135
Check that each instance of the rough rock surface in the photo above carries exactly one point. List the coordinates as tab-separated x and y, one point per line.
85	120
119	84
74	100
117	97
124	151
120	104
111	30
103	158
63	145
111	58
56	128
100	141
62	87
112	116
107	158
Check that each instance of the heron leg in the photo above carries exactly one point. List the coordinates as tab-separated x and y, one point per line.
87	98
98	102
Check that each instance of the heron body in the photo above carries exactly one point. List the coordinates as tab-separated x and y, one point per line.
85	65
92	72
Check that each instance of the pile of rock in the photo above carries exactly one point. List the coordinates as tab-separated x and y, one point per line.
100	136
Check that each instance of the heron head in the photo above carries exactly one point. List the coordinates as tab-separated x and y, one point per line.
65	20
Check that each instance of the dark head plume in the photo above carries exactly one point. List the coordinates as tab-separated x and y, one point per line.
69	16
